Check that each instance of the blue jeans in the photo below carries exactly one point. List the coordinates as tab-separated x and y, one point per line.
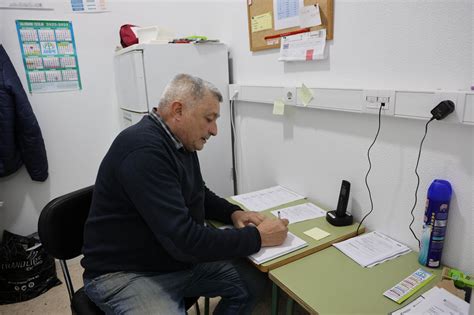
238	283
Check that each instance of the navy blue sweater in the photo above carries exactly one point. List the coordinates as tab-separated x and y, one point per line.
149	207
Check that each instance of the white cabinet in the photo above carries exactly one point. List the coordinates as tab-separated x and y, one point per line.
141	74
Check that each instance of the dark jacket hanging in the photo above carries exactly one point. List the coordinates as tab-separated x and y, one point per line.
20	135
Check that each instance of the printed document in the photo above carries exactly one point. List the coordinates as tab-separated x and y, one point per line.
298	213
408	286
286	13
267	198
291	244
408	309
305	46
371	249
436	301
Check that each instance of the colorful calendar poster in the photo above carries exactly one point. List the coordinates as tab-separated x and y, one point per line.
49	55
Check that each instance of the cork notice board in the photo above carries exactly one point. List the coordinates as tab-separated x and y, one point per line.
260	7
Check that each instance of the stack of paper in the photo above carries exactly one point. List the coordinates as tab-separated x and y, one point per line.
371	249
435	301
267	198
298	213
291	243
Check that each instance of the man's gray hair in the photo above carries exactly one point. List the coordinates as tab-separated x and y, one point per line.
188	89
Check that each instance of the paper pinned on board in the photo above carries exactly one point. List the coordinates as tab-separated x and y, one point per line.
286	13
88	6
310	16
304	46
305	95
261	22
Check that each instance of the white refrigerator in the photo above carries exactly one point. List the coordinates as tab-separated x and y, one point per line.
141	74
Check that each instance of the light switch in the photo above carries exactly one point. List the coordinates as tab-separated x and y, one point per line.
371	99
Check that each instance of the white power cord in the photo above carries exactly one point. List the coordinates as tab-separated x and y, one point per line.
234	137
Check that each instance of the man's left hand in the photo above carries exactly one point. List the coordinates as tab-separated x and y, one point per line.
242	218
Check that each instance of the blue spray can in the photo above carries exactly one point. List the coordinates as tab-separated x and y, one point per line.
435	223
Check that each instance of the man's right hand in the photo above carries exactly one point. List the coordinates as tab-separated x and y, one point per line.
273	232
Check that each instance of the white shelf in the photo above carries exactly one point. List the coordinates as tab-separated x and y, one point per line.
403	103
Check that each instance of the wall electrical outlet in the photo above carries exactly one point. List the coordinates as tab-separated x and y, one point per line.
289	95
234	91
372	99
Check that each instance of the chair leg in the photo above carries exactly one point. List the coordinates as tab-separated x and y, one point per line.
67	278
196	306
206	305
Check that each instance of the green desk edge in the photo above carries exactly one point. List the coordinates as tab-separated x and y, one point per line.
329	282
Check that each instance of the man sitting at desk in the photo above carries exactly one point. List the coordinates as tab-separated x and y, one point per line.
146	246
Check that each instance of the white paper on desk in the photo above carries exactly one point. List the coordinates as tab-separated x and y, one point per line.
302	212
409	308
305	46
371	249
442	302
291	243
436	301
267	198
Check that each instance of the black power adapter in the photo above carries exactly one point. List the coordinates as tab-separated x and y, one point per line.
442	110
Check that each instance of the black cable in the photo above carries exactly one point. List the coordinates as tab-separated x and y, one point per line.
368	171
418	182
232	137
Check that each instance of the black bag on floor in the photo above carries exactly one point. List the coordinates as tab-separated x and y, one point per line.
26	270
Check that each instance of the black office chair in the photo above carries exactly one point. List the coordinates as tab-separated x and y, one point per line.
60	228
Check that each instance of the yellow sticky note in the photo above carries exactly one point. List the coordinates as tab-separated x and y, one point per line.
278	107
305	95
317	233
261	22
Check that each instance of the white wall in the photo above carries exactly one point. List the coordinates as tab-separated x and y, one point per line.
77	126
377	44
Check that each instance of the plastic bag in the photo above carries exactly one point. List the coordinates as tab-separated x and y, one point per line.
26	270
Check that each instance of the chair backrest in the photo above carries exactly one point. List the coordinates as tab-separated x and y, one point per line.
61	223
61	231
